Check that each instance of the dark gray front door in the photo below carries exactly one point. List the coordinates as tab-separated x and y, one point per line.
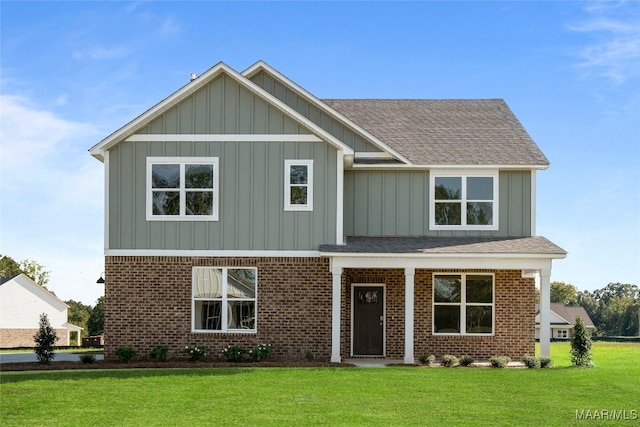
368	321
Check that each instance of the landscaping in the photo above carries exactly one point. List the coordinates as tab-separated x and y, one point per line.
252	395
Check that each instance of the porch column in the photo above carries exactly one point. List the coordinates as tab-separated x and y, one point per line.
409	276
545	312
335	314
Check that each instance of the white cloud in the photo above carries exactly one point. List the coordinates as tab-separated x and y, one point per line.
99	52
52	196
615	49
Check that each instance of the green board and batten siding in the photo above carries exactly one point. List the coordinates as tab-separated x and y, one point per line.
313	113
251	204
396	203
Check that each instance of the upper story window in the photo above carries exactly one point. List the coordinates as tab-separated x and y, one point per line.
298	185
182	188
464	201
463	304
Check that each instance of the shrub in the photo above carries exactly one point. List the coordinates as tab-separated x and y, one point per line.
581	345
448	360
160	352
545	362
87	358
234	353
466	360
195	353
310	355
499	361
427	359
125	354
531	362
260	352
45	340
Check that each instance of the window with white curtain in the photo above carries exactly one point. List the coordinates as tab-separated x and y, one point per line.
224	299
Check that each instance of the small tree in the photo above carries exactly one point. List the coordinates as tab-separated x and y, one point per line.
45	340
580	345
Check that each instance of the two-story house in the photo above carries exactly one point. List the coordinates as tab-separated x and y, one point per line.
242	209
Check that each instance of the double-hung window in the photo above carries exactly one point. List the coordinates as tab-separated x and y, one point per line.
298	185
224	299
182	188
463	304
464	201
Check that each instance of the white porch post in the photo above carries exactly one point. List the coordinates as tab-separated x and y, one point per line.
335	313
409	276
545	312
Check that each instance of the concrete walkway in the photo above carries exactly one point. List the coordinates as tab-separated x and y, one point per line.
31	357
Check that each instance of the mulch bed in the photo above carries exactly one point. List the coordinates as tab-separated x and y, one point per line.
148	363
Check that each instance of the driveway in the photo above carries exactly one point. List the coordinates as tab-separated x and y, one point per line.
31	357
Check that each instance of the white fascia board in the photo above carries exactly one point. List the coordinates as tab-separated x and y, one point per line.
27	283
447	167
261	65
445	262
245	137
212	253
190	88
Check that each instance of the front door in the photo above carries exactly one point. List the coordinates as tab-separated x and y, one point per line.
368	320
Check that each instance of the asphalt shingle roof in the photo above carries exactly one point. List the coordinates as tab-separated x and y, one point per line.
569	314
446	132
446	245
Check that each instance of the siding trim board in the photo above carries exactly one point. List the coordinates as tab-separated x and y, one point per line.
142	137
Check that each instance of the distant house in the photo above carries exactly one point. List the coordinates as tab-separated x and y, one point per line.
563	319
242	209
22	301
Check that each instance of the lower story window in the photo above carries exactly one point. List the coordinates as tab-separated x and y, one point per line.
463	304
224	299
562	333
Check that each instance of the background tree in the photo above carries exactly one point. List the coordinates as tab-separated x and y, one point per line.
581	345
35	271
613	309
45	341
9	266
95	324
564	293
79	314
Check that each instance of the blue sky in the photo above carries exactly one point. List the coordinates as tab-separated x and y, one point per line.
73	72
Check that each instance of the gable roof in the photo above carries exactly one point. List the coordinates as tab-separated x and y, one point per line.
190	88
43	293
481	132
568	314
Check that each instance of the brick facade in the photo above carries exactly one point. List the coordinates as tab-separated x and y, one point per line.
148	303
14	338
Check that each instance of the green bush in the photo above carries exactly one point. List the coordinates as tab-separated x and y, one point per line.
195	353
234	353
581	345
448	360
160	352
310	355
125	354
426	359
531	362
466	360
45	340
499	361
260	352
545	362
87	358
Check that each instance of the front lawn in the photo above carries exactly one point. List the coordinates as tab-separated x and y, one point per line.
330	396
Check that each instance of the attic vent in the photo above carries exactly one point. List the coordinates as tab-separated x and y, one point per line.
193	77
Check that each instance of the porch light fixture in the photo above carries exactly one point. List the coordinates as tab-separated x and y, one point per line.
101	279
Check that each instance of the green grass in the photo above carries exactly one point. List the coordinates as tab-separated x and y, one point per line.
329	396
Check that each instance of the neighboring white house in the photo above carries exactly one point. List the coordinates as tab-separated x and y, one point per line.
563	319
22	301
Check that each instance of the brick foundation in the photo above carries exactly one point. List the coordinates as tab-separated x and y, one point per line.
148	303
14	338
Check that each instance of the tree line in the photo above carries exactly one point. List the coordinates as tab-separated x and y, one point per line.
91	319
614	309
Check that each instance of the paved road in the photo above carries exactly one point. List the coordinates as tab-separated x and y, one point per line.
31	357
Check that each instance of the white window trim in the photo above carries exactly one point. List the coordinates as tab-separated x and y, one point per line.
463	304
464	175
287	185
224	306
182	161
